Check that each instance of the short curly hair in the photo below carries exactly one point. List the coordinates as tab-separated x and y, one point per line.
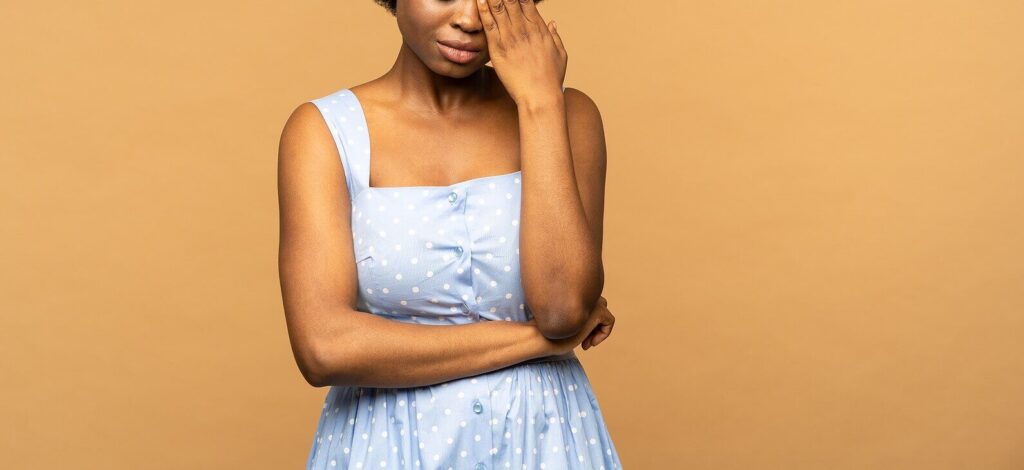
391	5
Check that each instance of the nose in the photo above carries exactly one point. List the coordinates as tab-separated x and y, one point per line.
467	16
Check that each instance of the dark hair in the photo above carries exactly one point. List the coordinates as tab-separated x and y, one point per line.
390	5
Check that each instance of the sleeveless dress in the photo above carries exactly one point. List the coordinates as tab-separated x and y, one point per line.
449	255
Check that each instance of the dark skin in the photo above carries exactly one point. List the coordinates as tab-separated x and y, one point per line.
434	121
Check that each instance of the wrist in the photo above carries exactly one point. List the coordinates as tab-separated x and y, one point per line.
542	103
538	345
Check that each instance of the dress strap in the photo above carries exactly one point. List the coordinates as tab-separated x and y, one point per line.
345	119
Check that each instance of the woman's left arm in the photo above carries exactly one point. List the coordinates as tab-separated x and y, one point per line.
563	156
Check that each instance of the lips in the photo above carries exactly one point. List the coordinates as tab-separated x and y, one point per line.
458	52
461	45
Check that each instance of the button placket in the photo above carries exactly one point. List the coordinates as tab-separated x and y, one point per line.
482	418
462	260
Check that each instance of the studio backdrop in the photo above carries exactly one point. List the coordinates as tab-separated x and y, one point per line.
813	236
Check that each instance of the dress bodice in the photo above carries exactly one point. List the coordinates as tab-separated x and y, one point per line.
429	254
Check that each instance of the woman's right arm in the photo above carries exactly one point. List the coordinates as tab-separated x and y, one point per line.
335	344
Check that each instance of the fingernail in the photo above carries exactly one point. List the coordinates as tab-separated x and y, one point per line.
554	24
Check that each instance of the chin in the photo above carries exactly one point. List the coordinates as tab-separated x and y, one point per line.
450	69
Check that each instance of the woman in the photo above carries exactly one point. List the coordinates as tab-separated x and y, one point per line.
440	291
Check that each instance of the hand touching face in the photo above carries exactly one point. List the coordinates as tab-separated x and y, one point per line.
527	53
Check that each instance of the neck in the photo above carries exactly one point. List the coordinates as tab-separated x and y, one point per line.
417	86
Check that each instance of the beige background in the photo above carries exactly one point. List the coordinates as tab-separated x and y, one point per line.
814	242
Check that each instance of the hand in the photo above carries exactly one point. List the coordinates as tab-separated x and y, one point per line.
527	53
597	329
602	331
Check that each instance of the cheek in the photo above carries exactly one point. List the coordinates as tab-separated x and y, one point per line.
420	16
417	28
419	42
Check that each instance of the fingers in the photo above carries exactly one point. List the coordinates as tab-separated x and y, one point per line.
603	332
515	15
532	15
595	338
588	342
600	334
512	18
490	24
497	13
558	39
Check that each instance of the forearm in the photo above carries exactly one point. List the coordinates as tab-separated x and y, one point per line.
560	260
361	349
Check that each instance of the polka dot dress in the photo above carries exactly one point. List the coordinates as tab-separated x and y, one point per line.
449	255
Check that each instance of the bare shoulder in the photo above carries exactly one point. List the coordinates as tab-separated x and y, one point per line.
307	134
306	120
580	105
308	155
586	129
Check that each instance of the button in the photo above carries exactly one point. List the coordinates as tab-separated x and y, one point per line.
452	196
458	250
478	407
481	466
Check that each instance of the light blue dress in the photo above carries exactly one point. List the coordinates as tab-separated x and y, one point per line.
449	255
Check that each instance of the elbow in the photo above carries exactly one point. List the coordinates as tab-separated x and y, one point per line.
562	322
322	367
327	354
312	365
560	316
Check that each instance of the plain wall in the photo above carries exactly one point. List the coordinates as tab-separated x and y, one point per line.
814	244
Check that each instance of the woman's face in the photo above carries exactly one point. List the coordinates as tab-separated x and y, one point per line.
426	24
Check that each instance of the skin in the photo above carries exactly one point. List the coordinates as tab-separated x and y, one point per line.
509	117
